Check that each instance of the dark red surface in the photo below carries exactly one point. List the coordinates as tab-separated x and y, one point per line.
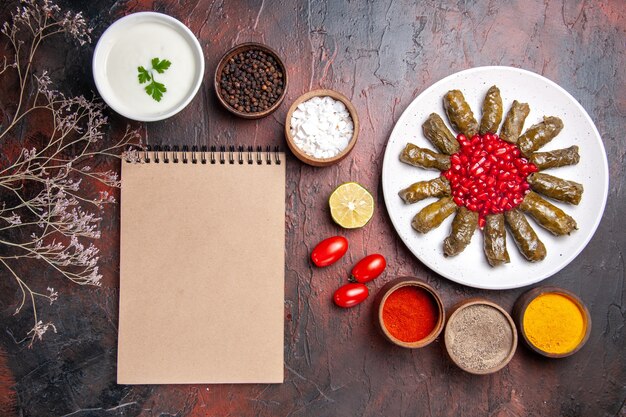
381	55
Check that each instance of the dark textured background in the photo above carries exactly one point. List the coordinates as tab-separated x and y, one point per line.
381	54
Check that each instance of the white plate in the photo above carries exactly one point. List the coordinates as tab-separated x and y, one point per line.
545	98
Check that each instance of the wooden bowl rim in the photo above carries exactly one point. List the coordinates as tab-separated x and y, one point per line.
482	301
220	66
525	299
394	285
318	162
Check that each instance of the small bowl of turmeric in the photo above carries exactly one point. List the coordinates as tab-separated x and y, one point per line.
409	312
552	321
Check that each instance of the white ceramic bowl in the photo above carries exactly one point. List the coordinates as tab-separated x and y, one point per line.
117	57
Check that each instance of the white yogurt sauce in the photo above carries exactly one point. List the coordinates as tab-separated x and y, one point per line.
136	45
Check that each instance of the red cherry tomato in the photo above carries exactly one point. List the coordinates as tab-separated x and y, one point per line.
368	268
350	295
329	251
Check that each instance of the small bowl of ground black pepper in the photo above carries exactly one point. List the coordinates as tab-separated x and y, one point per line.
480	336
409	312
251	80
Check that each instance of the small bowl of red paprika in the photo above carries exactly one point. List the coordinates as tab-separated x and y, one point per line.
409	312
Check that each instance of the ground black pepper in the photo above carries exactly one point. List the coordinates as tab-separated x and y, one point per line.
252	81
480	337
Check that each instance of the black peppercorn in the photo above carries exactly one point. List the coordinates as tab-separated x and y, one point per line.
250	82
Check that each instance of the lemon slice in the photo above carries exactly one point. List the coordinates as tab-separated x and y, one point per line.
351	205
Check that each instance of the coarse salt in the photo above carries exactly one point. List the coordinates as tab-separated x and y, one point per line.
321	127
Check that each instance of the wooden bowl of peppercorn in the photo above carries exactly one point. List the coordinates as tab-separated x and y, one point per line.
251	80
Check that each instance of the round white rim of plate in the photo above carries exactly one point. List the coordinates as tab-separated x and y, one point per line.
592	172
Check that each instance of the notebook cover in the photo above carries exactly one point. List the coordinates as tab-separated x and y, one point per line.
201	273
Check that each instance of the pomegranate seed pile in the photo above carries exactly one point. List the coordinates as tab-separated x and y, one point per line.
488	175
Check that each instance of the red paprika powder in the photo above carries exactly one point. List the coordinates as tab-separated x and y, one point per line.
410	313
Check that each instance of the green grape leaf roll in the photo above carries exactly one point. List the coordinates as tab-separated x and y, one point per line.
424	158
433	215
525	237
463	228
539	134
494	244
492	111
555	159
437	187
439	135
563	190
459	113
514	122
548	215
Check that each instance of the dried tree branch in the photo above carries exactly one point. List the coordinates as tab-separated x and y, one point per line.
45	215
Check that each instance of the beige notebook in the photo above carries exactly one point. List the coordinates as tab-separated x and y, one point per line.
202	268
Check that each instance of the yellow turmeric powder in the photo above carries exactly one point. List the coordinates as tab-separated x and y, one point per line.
554	323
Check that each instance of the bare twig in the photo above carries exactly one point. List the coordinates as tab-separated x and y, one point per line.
40	189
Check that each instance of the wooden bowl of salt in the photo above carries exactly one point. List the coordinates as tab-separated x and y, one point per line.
308	158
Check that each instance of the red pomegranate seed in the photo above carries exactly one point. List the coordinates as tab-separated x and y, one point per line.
488	175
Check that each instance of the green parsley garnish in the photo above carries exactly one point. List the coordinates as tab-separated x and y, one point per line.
155	89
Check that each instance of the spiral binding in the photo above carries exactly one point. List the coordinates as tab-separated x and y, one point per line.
213	155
